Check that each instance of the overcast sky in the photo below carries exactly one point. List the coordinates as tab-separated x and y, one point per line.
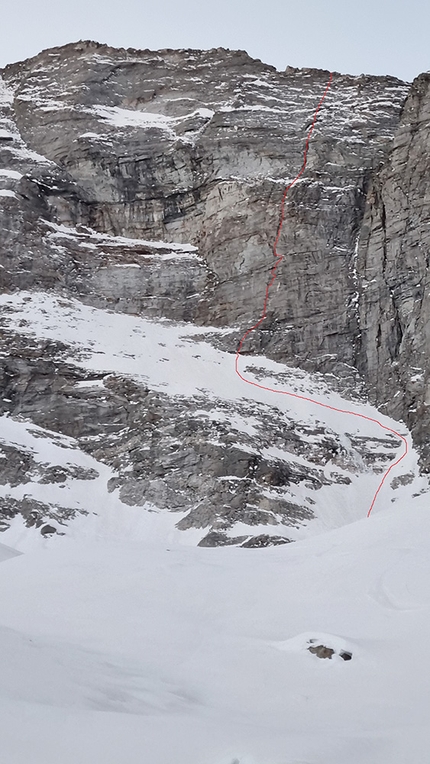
350	36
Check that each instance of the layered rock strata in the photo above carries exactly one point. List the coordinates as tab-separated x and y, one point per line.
149	183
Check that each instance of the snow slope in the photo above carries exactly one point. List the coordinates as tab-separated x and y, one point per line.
83	487
178	359
121	642
130	647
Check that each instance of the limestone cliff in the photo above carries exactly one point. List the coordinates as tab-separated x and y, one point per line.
149	183
393	265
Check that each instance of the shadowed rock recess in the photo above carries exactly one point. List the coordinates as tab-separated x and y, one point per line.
149	183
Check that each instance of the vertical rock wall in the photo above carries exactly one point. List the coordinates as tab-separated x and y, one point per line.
393	268
196	147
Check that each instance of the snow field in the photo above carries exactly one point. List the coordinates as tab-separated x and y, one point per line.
138	648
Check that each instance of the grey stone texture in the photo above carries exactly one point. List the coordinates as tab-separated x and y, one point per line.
102	146
393	264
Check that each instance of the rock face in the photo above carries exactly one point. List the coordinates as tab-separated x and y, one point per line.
149	184
394	265
197	147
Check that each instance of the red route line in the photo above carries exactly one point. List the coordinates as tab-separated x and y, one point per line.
273	273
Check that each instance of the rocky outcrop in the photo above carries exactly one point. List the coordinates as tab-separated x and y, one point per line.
220	463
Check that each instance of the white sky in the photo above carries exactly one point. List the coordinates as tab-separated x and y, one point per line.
372	36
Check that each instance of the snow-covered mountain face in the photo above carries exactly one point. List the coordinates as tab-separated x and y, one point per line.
139	199
140	196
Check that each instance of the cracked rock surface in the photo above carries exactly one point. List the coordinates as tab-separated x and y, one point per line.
147	184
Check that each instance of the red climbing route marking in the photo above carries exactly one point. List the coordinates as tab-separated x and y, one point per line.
273	272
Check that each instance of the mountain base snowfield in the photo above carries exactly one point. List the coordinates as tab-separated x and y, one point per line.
122	641
121	644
